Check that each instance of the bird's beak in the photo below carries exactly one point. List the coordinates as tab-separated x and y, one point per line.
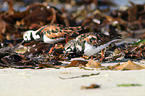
17	45
65	54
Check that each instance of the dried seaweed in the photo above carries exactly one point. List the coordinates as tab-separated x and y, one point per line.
8	58
92	86
128	85
80	76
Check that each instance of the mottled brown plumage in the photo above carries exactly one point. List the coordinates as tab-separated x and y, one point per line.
95	39
57	30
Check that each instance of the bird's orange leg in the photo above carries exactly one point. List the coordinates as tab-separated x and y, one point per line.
66	40
102	55
91	57
50	51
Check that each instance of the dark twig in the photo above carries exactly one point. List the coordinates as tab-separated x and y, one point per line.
80	76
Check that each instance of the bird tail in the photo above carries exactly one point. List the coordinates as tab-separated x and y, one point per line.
115	40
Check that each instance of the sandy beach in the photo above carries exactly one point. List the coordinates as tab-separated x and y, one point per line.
48	82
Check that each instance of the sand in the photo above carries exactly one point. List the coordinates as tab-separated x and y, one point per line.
47	82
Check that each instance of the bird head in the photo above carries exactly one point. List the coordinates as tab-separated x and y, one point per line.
69	47
27	36
74	47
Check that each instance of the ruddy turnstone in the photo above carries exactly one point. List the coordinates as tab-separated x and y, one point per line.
51	33
89	44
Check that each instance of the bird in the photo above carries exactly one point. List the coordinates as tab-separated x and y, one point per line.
89	44
51	34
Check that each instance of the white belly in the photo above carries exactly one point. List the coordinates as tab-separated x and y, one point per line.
91	50
52	41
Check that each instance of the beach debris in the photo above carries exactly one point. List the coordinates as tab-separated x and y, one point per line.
76	63
84	68
113	67
135	51
92	86
39	14
128	85
93	64
129	65
93	74
37	47
2	26
114	54
46	66
132	18
10	59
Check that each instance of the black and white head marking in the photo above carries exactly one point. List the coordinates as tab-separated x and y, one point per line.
80	47
74	47
30	35
70	46
27	36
